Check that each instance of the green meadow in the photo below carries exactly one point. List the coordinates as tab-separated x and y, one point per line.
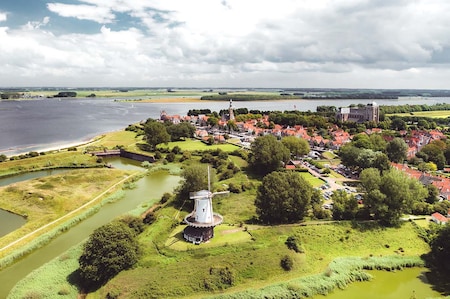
197	145
430	114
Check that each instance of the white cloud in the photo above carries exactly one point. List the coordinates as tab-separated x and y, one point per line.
352	43
99	14
3	16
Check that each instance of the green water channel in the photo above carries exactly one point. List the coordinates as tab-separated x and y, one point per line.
148	188
410	283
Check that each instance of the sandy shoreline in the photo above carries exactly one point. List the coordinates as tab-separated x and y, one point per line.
50	147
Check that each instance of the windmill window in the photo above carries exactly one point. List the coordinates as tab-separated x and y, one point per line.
203	210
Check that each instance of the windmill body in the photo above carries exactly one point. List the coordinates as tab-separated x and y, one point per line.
202	220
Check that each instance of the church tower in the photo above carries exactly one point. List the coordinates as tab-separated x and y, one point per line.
230	111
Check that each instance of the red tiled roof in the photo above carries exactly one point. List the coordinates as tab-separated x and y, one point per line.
439	217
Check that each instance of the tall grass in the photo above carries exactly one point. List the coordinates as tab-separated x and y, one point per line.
51	281
340	273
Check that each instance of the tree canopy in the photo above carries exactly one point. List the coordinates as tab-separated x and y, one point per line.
155	133
179	131
267	154
283	197
390	194
195	178
397	150
110	249
345	206
297	146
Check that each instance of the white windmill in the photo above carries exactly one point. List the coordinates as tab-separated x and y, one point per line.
202	220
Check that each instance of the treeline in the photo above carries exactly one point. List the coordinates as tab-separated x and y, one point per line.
356	96
413	108
248	97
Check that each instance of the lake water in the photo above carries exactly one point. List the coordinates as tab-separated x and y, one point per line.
36	125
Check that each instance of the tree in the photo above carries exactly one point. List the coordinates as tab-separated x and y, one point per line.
110	249
179	131
348	154
267	154
390	194
345	207
440	249
433	193
297	146
155	133
283	197
195	178
398	124
362	141
397	150
433	152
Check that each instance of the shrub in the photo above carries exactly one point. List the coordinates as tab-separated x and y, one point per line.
133	222
219	278
158	155
146	164
149	218
287	263
293	243
170	157
166	196
235	188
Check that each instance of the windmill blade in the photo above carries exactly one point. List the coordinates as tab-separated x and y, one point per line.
220	192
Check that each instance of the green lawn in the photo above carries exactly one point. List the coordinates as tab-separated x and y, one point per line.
197	145
314	181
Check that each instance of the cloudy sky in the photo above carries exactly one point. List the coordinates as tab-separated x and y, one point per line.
226	43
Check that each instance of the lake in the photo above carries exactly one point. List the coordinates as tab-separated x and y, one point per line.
38	125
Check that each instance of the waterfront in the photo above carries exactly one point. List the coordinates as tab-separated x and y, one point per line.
37	125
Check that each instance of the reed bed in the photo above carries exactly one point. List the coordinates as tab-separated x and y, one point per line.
340	273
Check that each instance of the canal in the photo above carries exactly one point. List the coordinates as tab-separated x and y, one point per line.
150	187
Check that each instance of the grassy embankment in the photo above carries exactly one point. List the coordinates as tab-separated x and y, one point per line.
62	159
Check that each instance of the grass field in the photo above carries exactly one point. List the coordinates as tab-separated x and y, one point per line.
46	199
431	114
197	145
110	140
254	260
314	181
